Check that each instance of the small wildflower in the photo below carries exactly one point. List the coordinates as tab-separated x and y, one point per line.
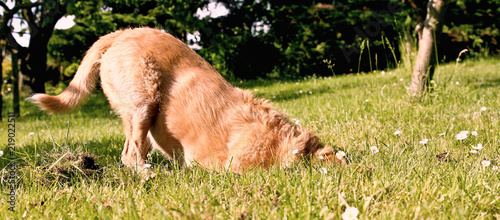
300	91
84	143
397	132
321	157
1	153
485	163
255	90
310	92
97	136
90	139
323	170
295	151
374	149
424	141
474	133
340	155
473	151
366	100
483	109
442	134
32	133
457	83
350	213
401	79
478	147
147	165
494	167
297	122
383	72
461	136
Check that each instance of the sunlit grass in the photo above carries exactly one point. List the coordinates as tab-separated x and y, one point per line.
404	179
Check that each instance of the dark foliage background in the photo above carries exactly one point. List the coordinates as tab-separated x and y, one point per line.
283	38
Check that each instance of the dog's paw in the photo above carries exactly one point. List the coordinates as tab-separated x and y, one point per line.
146	172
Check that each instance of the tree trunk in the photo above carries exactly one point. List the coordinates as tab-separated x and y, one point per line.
34	66
1	78
15	82
422	66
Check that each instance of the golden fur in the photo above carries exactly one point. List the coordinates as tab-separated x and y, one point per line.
171	98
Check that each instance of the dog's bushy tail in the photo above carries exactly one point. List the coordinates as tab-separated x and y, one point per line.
82	84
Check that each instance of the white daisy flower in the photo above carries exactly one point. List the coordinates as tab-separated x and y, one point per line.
32	133
1	153
340	155
478	147
321	157
424	141
442	134
397	132
483	108
350	213
147	165
485	163
374	149
473	151
461	136
295	151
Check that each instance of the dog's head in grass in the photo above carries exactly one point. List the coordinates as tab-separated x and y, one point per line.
263	137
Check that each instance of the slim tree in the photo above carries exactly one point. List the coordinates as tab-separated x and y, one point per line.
423	69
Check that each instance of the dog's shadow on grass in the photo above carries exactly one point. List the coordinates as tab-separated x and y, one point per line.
47	163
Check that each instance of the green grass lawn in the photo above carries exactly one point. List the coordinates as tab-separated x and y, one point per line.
405	179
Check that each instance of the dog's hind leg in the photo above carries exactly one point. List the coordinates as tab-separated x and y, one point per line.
137	145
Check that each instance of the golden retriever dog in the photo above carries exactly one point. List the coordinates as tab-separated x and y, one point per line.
170	98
